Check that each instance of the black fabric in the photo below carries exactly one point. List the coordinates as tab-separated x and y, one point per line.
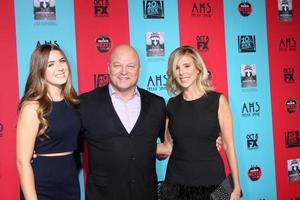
121	165
62	134
56	178
194	127
169	191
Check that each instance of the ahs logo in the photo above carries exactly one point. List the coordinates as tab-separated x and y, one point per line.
157	82
252	141
251	108
287	44
201	10
100	7
47	42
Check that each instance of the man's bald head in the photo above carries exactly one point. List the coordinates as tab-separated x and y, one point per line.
123	49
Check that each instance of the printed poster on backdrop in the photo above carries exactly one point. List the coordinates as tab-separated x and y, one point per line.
44	9
293	169
285	10
248	75
155	45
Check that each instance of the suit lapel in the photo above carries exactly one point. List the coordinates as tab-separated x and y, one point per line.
143	112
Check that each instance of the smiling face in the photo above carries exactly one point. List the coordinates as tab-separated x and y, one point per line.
57	70
185	72
187	69
124	68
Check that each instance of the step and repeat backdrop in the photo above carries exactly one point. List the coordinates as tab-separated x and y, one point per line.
249	46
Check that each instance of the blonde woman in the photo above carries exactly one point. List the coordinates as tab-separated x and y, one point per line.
196	116
48	128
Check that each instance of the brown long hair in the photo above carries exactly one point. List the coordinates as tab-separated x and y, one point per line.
36	87
203	81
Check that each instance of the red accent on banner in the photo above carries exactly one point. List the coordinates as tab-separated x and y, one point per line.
283	40
8	102
202	26
100	25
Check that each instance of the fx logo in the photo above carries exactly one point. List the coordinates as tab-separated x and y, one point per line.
202	42
289	75
252	141
100	7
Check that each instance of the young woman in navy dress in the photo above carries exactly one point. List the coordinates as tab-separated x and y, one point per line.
196	116
47	129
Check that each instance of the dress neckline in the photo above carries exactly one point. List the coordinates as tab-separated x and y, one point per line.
194	100
60	101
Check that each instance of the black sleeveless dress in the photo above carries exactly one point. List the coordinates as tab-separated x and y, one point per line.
56	177
195	167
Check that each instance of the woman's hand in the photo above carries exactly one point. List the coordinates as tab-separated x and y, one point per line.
235	195
163	150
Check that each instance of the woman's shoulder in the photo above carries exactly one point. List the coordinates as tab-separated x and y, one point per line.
174	100
29	105
29	110
213	97
214	93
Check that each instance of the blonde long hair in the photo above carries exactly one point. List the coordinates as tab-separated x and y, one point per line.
202	80
36	87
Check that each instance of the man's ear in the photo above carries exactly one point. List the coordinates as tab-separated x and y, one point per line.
139	69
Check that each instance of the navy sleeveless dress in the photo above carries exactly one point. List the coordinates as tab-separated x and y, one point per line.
195	167
56	177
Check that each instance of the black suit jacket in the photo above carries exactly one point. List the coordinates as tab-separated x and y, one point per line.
121	165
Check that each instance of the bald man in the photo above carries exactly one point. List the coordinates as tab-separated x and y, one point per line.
122	123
